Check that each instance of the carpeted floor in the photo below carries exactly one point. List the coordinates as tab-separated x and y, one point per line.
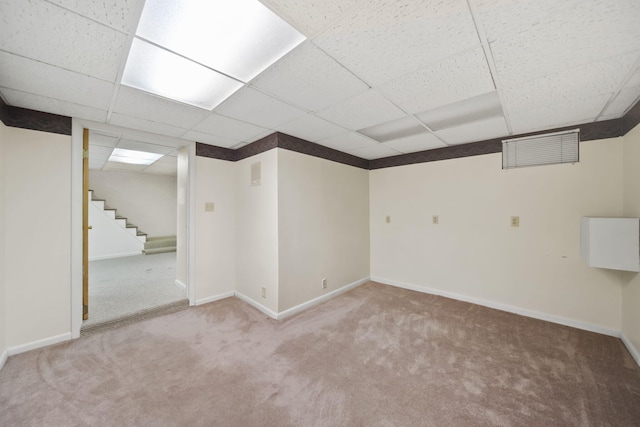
375	356
121	287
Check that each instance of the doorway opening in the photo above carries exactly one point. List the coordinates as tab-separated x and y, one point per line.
133	272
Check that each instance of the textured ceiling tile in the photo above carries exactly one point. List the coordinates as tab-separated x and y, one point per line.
366	109
626	99
309	79
383	40
477	131
102	140
573	85
306	18
311	128
454	79
30	76
557	115
129	144
210	139
635	79
157	109
119	14
49	33
254	107
146	125
413	143
373	152
534	38
99	152
348	141
51	105
228	128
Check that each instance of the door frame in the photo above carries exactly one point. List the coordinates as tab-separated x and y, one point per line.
77	127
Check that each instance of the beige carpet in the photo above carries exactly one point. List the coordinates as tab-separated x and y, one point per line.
375	356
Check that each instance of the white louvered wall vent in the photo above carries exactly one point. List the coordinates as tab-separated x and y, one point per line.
549	149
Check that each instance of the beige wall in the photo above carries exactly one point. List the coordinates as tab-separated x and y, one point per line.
476	254
37	235
146	200
631	282
215	258
257	230
323	231
3	306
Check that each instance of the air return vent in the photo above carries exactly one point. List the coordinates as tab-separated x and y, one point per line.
552	148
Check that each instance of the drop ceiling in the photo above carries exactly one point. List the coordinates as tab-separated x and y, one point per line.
368	68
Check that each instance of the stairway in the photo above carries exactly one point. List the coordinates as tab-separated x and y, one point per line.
159	245
111	234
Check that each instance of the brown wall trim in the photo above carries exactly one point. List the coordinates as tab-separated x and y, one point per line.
298	145
631	119
34	120
260	146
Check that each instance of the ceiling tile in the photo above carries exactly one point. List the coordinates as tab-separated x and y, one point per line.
559	114
31	76
96	139
460	77
363	110
634	80
128	144
54	106
210	139
476	131
228	128
119	14
311	128
254	107
626	99
161	170
310	20
51	34
405	35
166	161
309	79
157	109
533	38
145	125
347	141
373	152
99	151
572	85
413	143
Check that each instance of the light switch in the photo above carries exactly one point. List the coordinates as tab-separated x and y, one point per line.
209	207
435	219
515	221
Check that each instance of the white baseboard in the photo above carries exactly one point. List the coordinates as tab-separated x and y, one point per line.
182	285
257	305
298	308
214	298
40	343
634	351
503	307
122	255
3	358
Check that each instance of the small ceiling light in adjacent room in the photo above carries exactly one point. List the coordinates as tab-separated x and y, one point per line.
200	51
459	113
133	157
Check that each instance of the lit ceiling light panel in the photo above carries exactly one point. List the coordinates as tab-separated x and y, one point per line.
133	157
155	70
235	40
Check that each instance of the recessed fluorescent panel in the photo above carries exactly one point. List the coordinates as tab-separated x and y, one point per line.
235	39
133	157
463	112
155	70
395	129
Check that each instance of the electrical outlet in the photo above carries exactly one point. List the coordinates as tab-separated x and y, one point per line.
435	219
515	221
209	207
388	219
264	292
324	283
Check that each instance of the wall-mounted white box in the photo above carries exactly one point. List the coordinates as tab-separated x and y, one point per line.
612	243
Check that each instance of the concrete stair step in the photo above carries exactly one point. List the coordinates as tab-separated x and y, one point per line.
159	250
